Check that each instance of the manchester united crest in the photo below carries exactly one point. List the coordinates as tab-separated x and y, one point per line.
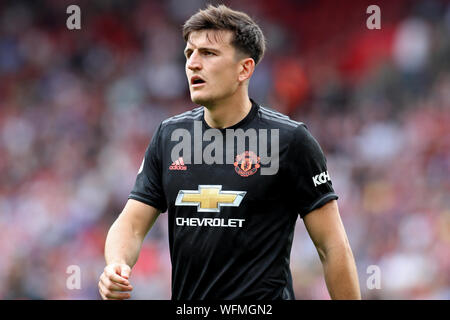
246	163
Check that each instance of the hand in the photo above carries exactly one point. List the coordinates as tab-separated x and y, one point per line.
114	284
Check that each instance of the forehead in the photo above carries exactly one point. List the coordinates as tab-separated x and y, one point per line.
220	39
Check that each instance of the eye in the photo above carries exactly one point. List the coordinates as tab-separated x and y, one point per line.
209	53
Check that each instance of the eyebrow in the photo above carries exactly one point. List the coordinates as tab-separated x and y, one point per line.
201	49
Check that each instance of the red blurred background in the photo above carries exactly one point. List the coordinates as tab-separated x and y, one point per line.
78	108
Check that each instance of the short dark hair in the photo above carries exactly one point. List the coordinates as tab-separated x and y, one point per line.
248	37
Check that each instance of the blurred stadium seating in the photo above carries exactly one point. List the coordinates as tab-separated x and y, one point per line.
78	108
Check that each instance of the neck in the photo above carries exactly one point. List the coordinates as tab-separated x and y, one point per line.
227	112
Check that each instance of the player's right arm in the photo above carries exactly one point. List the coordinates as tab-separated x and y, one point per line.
122	247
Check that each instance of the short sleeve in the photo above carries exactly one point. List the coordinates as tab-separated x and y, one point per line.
310	180
148	186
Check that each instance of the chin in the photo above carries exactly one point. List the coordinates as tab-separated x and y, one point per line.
202	99
199	99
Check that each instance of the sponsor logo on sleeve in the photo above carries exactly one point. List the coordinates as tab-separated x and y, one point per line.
142	166
321	178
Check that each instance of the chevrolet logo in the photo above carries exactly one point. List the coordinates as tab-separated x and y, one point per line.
209	198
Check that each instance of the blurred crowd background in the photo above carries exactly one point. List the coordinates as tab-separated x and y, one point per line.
78	108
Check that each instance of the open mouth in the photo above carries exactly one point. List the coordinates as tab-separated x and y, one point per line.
197	81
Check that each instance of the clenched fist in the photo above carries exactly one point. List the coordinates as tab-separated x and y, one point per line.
114	284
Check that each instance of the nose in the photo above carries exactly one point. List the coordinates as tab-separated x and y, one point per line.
193	62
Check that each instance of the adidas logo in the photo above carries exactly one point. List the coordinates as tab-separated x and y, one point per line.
178	165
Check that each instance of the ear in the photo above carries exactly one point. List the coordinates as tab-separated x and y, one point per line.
246	68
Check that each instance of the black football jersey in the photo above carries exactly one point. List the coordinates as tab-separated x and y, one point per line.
233	202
